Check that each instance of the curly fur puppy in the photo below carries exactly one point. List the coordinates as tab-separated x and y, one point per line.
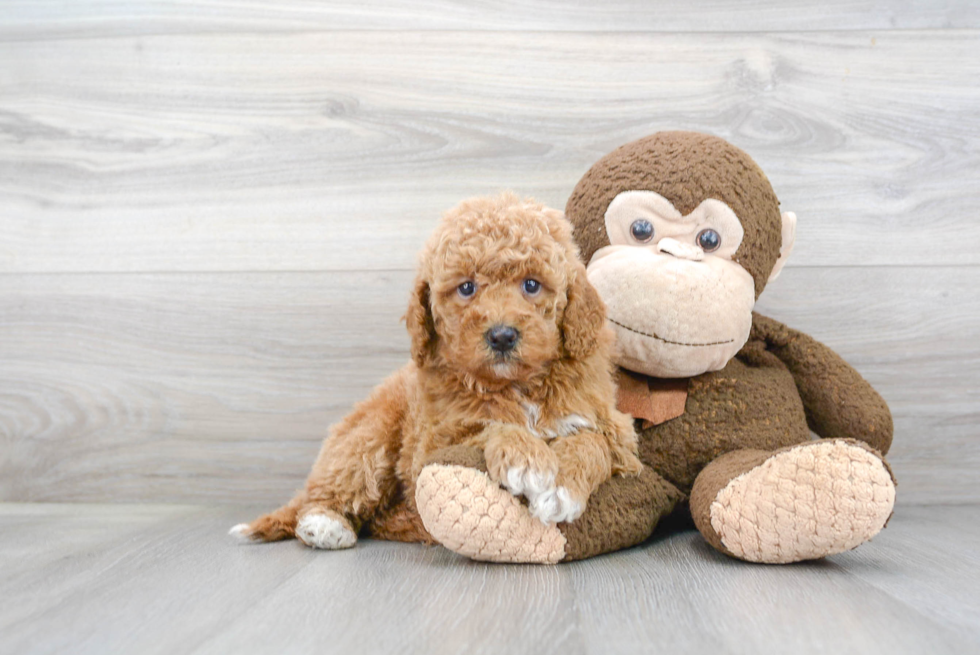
510	353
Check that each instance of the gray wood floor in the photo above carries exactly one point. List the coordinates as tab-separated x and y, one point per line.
107	579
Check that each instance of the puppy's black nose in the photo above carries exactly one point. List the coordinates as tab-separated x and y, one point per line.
502	338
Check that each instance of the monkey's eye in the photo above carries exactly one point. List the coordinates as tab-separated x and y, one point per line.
709	240
642	230
466	289
531	286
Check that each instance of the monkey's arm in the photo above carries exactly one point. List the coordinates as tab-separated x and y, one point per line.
838	401
470	514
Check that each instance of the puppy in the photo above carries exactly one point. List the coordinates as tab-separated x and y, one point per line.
510	354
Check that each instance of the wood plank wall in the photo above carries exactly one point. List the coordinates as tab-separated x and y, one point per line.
209	211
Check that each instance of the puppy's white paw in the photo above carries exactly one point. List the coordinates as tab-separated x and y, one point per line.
322	531
242	533
556	505
528	482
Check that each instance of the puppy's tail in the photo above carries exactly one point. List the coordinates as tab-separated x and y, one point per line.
274	526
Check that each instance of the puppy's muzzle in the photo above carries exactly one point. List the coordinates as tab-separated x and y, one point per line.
502	338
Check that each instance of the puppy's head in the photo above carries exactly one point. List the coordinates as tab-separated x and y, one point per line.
501	293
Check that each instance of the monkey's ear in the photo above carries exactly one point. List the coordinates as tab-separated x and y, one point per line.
584	317
421	326
789	239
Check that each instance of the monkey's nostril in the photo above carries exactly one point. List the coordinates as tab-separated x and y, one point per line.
680	250
502	338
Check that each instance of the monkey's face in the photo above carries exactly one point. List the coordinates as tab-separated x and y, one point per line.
679	303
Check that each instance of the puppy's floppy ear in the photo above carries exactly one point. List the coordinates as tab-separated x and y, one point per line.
584	317
421	326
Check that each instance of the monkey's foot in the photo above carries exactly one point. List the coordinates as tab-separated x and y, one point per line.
800	503
468	513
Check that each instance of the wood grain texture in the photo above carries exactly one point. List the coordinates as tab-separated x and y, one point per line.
209	211
47	19
219	387
159	579
227	151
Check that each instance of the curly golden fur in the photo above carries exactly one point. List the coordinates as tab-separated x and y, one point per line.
539	400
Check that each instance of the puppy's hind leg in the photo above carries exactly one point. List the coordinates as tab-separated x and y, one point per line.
326	529
274	526
315	525
353	476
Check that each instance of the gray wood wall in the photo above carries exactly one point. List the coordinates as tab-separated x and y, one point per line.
209	211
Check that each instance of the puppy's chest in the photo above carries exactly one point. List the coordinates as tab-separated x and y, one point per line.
546	423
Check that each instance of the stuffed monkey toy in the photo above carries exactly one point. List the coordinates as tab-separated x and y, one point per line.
682	232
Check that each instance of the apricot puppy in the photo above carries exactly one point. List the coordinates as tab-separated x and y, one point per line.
510	354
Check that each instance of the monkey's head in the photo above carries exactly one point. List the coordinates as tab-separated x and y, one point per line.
681	232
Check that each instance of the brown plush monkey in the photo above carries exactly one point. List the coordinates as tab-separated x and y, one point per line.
681	232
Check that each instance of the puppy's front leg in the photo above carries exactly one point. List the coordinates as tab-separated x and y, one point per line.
584	463
521	462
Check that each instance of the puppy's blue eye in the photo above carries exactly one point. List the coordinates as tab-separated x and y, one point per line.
531	286
709	240
642	230
466	289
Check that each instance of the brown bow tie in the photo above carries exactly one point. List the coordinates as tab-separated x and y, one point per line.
655	400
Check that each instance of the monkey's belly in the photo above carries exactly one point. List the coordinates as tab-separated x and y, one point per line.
737	407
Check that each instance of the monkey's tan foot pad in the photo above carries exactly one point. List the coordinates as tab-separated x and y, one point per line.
468	513
804	503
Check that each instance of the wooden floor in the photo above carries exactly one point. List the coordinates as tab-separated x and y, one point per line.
146	579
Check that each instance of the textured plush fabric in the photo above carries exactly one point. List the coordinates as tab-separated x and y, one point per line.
458	456
471	515
799	503
757	405
782	382
674	317
621	513
685	168
751	403
712	480
839	402
654	400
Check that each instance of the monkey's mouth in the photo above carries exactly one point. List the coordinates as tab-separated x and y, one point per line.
673	343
